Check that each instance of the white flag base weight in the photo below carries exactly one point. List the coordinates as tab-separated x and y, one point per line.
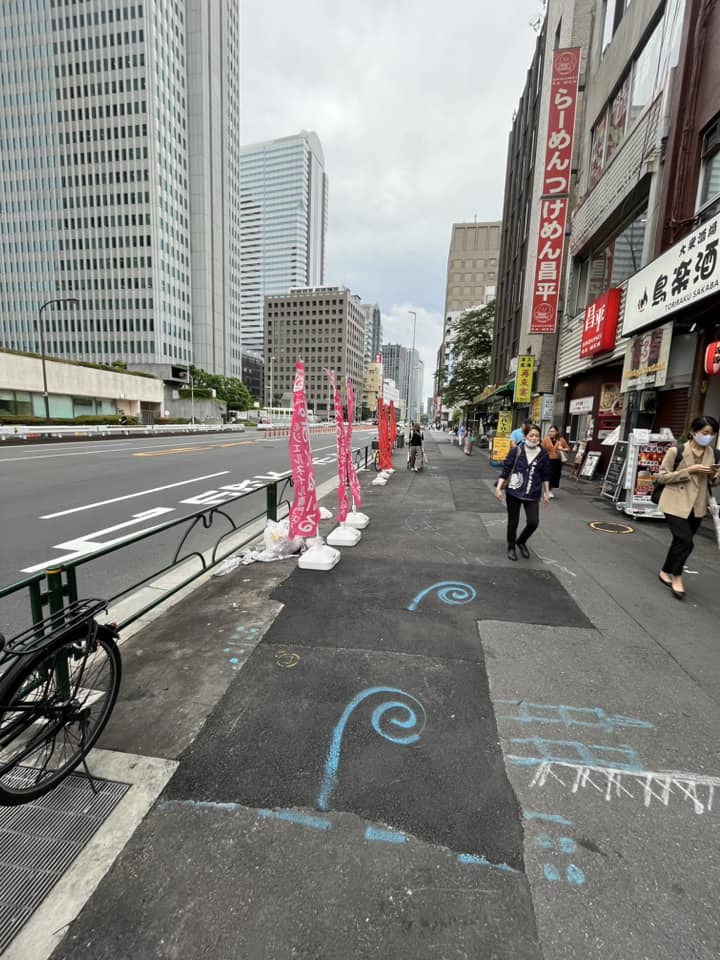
357	520
344	536
318	556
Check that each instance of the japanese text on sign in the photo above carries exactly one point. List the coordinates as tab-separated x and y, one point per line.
684	274
600	323
523	380
561	121
548	265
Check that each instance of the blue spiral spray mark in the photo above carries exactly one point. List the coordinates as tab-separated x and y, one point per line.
451	592
411	721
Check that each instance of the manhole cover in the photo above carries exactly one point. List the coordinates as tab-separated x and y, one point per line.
607	526
39	841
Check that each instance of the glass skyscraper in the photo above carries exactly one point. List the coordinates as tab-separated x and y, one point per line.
283	189
119	180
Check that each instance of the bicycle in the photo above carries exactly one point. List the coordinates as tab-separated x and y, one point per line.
60	680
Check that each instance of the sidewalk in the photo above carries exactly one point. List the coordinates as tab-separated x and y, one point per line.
430	752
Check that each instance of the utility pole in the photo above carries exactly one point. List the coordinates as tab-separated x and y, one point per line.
41	331
410	417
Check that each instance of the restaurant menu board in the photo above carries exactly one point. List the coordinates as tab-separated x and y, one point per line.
615	474
587	471
643	464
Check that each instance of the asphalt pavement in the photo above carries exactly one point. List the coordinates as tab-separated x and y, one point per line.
429	752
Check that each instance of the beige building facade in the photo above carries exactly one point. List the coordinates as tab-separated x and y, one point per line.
323	326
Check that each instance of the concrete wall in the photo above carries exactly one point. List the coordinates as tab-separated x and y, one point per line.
25	373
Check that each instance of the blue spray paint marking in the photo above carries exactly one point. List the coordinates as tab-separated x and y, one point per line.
572	751
594	717
315	823
550	872
233	660
544	842
474	860
385	836
411	721
449	591
575	876
567	845
550	817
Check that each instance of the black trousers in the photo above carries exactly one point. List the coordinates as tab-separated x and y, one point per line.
555	473
683	529
532	519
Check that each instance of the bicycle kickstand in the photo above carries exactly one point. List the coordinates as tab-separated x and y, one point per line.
88	775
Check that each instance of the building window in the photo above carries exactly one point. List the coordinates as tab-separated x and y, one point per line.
709	187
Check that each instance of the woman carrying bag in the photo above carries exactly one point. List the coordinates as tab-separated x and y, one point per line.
684	500
526	472
557	449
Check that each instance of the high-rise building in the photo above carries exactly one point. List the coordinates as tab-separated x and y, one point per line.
373	331
323	326
119	168
283	224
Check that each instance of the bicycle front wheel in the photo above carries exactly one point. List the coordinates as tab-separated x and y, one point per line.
53	707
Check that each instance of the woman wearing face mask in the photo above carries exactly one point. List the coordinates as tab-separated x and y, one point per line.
526	472
685	496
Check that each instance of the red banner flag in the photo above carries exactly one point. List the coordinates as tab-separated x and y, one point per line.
352	474
384	460
342	499
304	513
393	425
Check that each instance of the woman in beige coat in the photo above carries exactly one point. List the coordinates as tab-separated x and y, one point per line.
685	495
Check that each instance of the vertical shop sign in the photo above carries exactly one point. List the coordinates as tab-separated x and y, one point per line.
548	265
555	188
561	121
522	394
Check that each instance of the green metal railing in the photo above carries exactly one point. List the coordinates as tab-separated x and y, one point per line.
50	591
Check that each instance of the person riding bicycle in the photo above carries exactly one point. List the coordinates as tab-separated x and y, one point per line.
415	443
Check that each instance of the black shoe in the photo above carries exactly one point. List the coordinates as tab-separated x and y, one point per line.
523	550
511	553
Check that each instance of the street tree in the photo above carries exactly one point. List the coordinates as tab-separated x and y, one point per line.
231	390
471	336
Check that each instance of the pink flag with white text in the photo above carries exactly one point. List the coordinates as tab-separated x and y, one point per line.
304	513
342	511
352	474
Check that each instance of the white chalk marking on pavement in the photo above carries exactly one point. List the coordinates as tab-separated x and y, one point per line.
48	924
87	544
558	565
129	496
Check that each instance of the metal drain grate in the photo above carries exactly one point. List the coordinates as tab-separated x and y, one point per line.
40	840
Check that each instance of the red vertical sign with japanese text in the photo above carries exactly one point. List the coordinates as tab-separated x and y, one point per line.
555	189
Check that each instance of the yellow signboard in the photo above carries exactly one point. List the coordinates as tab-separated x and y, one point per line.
500	449
523	380
535	410
504	423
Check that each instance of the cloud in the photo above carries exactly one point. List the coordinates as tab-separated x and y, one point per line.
413	103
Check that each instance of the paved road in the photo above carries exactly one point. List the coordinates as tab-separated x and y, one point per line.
64	501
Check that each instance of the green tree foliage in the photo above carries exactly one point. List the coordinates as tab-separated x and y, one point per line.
472	337
231	390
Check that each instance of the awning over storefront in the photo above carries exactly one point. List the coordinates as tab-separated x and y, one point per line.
493	390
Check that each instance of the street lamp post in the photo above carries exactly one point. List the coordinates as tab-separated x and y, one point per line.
270	403
192	400
42	349
413	314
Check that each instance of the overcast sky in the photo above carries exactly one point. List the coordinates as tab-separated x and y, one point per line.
413	103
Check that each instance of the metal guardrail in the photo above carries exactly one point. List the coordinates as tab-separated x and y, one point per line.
51	590
34	431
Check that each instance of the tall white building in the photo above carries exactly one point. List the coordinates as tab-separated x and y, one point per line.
119	186
283	224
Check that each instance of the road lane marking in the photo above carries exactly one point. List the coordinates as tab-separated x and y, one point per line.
129	496
99	447
165	453
88	544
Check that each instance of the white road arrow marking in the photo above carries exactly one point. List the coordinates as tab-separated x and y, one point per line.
89	543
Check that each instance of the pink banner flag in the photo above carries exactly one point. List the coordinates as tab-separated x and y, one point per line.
304	513
352	473
342	510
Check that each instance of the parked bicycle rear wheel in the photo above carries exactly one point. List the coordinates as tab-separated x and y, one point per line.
53	706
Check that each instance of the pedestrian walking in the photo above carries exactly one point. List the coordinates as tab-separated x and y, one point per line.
517	436
415	443
684	500
557	448
526	473
469	441
461	435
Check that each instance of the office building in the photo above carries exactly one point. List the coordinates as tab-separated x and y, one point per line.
112	119
324	327
283	224
373	331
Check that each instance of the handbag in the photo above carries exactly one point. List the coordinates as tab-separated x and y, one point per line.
563	456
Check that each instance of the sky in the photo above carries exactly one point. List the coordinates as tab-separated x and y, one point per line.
413	102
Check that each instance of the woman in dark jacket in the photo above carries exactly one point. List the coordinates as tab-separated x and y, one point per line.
526	473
